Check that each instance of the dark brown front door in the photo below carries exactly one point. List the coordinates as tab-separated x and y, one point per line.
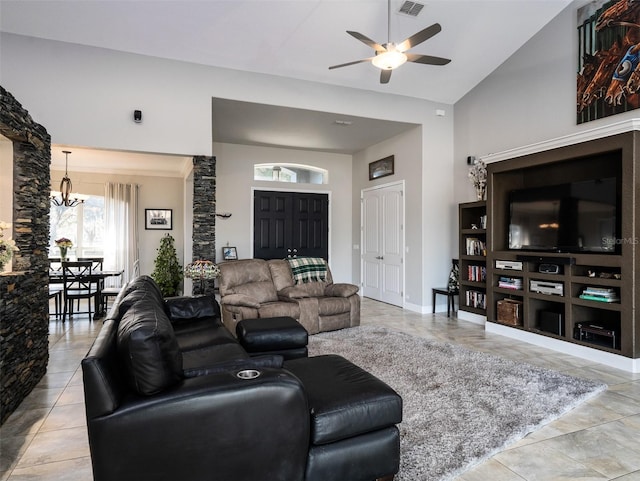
289	224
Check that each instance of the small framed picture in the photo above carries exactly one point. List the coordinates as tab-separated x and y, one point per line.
158	219
229	253
381	168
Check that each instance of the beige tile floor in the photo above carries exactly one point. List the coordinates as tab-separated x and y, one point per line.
46	439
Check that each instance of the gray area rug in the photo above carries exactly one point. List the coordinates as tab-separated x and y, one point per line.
459	406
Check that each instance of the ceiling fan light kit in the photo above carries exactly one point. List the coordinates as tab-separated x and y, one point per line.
389	60
390	56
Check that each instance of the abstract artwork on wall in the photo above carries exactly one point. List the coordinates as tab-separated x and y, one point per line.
608	81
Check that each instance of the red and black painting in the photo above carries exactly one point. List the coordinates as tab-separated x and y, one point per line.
608	59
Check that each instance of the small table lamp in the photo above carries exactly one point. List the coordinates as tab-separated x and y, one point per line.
201	269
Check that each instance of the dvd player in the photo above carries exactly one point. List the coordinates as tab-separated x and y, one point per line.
546	287
509	265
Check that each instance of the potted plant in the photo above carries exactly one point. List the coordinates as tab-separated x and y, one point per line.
167	271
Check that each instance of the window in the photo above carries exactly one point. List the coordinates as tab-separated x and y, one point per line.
83	224
296	174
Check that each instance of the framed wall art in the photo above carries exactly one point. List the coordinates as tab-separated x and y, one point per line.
229	253
381	168
608	80
158	219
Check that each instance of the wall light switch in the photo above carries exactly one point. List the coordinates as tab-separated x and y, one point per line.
356	247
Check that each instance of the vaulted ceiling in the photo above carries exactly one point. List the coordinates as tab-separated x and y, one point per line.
298	39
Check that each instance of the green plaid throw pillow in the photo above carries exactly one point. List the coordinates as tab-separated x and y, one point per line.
308	269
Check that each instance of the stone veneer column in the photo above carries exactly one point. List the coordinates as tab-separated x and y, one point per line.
204	215
24	301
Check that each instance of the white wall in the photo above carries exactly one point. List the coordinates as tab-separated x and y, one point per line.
529	98
187	240
234	184
154	192
6	189
85	97
406	150
423	161
6	181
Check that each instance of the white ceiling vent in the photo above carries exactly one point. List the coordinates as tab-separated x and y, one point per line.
411	8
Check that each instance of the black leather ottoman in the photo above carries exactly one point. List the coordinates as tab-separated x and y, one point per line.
353	420
283	336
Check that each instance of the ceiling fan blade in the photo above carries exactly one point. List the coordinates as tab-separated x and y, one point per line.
367	41
426	59
351	63
418	38
385	75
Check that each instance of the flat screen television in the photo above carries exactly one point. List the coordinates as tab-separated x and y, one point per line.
572	217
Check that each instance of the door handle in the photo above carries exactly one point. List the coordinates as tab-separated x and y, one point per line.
379	258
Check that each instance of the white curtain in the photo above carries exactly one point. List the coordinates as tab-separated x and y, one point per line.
121	226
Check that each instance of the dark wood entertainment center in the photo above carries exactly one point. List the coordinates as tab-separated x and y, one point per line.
565	301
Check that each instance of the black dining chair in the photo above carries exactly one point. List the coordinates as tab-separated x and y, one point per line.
55	264
96	266
78	283
452	289
55	293
109	292
96	262
56	286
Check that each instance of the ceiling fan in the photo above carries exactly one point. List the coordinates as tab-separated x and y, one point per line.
389	56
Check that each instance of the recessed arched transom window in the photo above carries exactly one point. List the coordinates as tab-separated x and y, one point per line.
292	173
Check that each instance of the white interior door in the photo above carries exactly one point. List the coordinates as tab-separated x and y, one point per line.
383	244
371	245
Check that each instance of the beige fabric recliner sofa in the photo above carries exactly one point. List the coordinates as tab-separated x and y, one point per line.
255	288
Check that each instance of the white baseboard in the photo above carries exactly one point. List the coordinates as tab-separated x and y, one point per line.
417	308
577	350
608	359
471	317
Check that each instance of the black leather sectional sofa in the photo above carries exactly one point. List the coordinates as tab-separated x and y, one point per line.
172	395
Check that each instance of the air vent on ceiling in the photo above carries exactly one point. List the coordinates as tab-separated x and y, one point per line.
411	8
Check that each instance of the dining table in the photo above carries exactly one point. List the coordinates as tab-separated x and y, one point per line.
97	276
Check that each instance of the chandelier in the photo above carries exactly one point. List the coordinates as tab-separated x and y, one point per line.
64	197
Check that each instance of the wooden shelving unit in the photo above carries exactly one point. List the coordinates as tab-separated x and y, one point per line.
618	272
473	256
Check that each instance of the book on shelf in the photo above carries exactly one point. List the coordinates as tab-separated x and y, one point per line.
600	294
599	298
476	273
476	299
599	291
475	247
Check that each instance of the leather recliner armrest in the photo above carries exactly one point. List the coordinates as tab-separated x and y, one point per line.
256	362
291	293
196	428
187	308
340	290
241	300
